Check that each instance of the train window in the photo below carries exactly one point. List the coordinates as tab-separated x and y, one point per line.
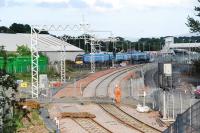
79	58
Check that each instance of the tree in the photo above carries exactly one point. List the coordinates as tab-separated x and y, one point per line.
194	26
44	32
4	29
27	28
8	89
23	50
20	28
193	23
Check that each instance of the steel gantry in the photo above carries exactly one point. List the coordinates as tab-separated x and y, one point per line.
35	31
93	51
94	42
62	63
34	63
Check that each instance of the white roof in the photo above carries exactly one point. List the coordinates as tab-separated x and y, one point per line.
45	42
184	45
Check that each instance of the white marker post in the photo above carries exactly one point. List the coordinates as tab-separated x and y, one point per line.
173	105
131	92
164	106
181	103
81	89
57	123
144	99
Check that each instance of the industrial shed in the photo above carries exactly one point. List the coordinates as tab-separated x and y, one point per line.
47	44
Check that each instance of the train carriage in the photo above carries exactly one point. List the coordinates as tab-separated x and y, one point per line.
98	58
136	57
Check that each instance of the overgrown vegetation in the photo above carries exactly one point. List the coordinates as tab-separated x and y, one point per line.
194	25
11	112
22	120
23	76
15	122
8	90
23	50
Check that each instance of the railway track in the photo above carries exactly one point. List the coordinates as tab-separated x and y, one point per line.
125	118
102	88
90	125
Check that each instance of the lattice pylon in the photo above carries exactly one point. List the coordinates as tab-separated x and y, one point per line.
34	64
62	64
93	51
35	55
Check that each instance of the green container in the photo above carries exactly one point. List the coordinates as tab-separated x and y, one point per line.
43	64
22	64
9	67
10	61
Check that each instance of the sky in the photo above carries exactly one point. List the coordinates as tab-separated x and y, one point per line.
126	18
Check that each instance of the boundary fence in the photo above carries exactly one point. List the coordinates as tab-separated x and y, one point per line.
187	122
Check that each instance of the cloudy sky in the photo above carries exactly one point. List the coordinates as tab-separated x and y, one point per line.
127	18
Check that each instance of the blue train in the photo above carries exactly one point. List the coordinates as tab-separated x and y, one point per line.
136	57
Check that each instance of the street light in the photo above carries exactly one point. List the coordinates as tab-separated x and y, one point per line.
143	46
195	47
138	46
149	47
114	50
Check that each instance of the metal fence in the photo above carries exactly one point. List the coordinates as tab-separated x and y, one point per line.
180	104
187	122
181	59
176	102
133	87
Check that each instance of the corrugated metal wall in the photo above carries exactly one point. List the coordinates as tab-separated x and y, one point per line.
22	64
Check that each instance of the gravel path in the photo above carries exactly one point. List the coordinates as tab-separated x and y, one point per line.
148	118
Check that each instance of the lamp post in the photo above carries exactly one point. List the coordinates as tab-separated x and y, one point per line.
183	52
130	47
160	46
114	51
149	47
143	44
122	46
196	49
